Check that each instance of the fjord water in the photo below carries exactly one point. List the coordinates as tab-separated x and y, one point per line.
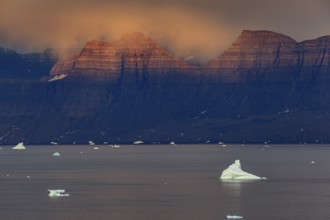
164	183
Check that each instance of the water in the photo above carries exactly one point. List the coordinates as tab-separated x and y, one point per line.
164	183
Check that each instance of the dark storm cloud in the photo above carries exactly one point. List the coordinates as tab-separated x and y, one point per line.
187	27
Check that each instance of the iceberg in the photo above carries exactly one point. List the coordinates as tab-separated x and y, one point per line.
115	146
56	154
234	172
234	217
57	193
19	146
138	142
172	143
53	143
91	143
96	148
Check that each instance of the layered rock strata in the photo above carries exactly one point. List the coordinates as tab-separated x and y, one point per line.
134	58
269	56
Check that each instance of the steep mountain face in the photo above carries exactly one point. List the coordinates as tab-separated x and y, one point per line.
134	58
266	86
268	56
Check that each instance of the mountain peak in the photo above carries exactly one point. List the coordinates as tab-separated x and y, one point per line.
94	43
134	58
136	39
263	34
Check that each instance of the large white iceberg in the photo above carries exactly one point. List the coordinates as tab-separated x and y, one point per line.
234	172
57	193
19	146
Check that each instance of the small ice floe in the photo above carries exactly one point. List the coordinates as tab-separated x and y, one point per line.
138	142
56	154
222	144
19	146
172	143
91	143
234	217
58	77
96	148
234	172
203	112
312	162
57	193
285	111
53	143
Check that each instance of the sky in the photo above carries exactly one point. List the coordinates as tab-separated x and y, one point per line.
202	28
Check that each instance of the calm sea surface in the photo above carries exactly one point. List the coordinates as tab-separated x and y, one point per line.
164	183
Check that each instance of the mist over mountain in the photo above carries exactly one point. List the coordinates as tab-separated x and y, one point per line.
264	87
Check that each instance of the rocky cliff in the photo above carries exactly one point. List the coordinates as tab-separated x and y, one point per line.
265	87
134	58
268	56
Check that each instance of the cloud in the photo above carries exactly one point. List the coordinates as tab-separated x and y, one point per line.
186	27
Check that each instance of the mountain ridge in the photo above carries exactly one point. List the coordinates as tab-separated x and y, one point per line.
134	58
261	89
252	52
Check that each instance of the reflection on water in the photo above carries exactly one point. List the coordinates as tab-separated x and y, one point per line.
163	183
233	187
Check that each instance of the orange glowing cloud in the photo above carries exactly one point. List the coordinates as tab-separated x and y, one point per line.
186	27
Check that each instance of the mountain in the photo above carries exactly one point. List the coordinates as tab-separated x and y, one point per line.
269	56
274	73
134	58
30	66
265	87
